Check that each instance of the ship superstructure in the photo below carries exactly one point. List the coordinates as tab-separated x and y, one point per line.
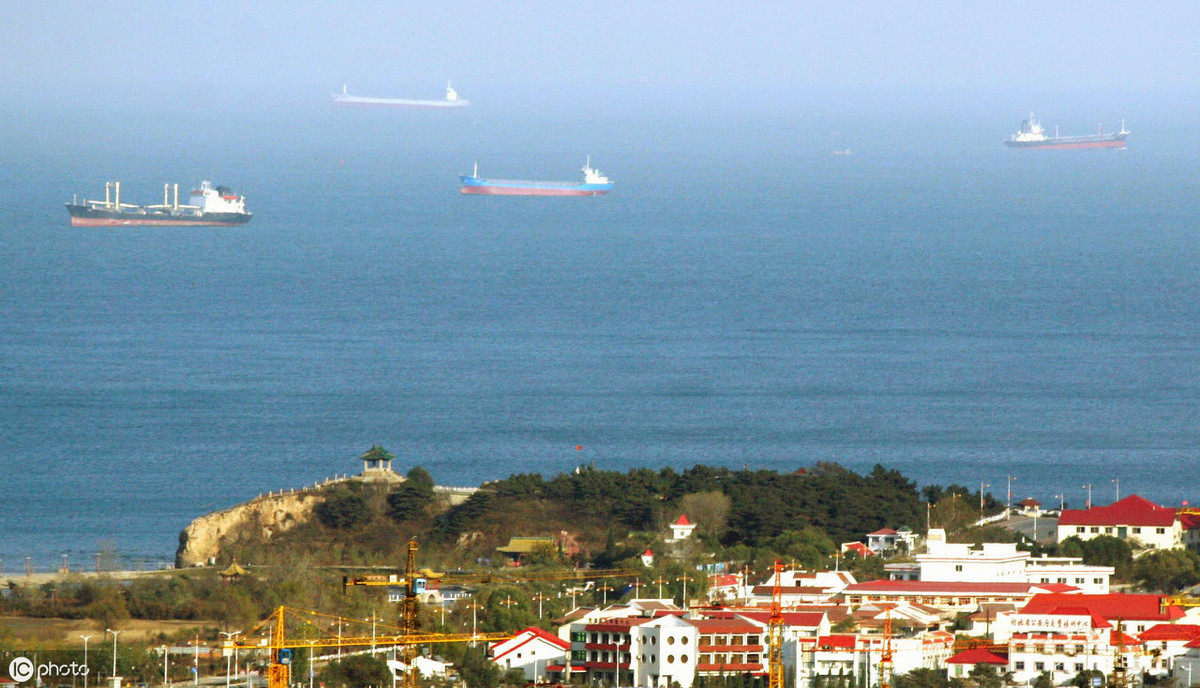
209	204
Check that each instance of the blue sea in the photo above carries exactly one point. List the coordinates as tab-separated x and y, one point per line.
937	304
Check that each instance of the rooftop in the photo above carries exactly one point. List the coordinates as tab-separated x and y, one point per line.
1131	511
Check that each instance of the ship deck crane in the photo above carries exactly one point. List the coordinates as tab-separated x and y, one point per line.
271	635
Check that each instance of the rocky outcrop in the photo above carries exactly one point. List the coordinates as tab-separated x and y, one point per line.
258	520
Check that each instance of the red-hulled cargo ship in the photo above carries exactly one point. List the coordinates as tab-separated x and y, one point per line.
1033	137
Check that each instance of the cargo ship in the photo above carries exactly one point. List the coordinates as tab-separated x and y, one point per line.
210	205
594	184
452	101
1033	137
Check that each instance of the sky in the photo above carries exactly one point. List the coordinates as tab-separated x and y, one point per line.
251	54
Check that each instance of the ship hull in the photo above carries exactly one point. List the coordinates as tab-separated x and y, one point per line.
476	186
1114	141
385	103
82	216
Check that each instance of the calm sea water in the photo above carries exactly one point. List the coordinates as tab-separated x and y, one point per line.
956	311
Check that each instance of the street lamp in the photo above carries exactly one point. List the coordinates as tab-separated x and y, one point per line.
1088	487
228	641
312	648
1009	507
339	648
165	655
109	630
981	488
660	580
604	593
685	578
85	671
1117	482
474	607
539	597
1062	502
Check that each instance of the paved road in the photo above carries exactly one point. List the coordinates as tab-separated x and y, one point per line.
1047	527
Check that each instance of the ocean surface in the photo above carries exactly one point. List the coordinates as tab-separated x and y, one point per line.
942	306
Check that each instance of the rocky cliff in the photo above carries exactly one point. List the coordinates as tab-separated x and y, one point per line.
258	520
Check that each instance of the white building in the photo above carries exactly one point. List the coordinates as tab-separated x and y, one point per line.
997	562
1139	521
681	529
531	650
858	655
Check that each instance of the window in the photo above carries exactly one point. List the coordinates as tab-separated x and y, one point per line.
1059	666
1080	529
1136	529
1019	666
1078	666
1160	531
670	659
1079	581
1098	581
670	640
684	640
1108	530
1095	529
683	659
958	567
1039	666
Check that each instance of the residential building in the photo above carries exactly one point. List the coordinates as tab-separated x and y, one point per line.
1134	519
531	650
961	664
855	657
731	646
948	596
1166	642
887	542
802	587
997	562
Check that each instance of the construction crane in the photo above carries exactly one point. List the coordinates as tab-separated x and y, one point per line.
885	661
271	635
775	632
1120	677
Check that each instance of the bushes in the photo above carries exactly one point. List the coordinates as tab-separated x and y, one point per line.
343	510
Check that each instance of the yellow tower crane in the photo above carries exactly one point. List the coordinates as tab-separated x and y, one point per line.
271	635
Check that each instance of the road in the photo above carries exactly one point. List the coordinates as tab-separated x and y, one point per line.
1047	527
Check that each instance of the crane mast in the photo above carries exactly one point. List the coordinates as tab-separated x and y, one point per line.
775	632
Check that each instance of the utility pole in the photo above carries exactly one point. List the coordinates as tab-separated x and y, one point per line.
981	488
1088	487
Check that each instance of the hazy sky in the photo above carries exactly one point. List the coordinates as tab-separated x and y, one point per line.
122	50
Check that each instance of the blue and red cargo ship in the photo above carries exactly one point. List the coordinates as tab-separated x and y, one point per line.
594	184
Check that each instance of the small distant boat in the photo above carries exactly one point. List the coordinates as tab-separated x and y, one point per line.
210	205
452	101
594	184
843	151
1033	137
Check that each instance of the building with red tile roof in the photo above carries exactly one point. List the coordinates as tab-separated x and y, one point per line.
961	664
531	650
1135	519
